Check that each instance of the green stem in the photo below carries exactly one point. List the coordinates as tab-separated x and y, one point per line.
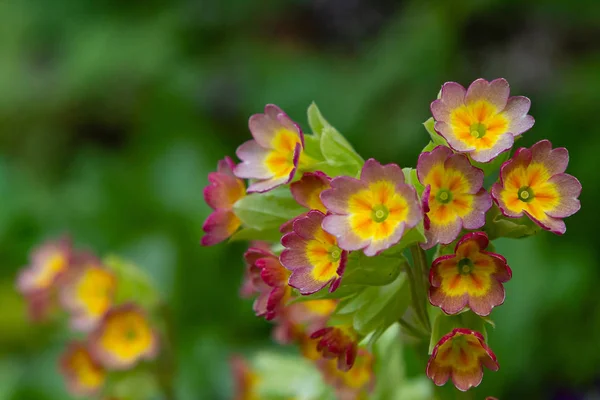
420	263
416	296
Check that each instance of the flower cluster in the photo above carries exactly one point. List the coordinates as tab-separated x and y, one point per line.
113	333
330	270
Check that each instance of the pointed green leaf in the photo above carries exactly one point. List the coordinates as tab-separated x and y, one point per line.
411	178
339	153
316	121
371	271
383	305
436	138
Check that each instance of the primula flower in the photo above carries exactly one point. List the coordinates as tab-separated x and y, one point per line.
354	384
307	192
37	282
460	356
471	277
339	343
371	213
454	197
481	120
244	379
83	374
224	190
533	182
269	279
312	255
274	155
123	337
88	293
303	318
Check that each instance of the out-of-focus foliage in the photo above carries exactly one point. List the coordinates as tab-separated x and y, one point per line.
112	114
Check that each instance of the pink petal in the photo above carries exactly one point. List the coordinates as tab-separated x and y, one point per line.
569	189
516	111
555	161
452	97
496	92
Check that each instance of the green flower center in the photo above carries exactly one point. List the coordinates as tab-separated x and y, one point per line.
465	266
525	194
380	213
444	196
335	253
478	130
130	334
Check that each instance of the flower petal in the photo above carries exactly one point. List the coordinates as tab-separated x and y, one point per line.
495	92
516	111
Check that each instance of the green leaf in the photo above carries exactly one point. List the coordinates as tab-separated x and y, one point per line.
412	236
312	148
430	146
381	306
316	121
343	291
268	235
497	225
410	175
436	138
284	376
263	211
133	283
492	167
338	152
371	271
390	367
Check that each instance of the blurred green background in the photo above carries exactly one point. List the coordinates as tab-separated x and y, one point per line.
113	112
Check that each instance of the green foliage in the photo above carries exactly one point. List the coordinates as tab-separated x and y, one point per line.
133	284
264	211
375	308
436	138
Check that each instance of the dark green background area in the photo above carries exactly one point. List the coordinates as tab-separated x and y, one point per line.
113	112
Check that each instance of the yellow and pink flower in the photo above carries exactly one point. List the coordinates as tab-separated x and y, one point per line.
312	255
533	182
224	190
123	338
83	374
471	277
454	197
460	356
337	342
371	213
272	158
307	192
297	320
244	379
38	281
482	120
269	279
354	384
88	292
